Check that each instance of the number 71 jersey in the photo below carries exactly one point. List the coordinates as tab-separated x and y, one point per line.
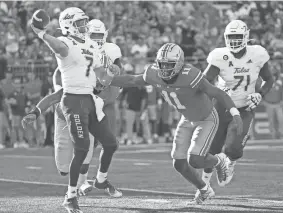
239	75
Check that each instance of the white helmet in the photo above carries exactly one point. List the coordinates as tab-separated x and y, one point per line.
170	60
97	31
236	35
73	21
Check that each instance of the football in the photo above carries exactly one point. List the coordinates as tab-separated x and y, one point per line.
40	19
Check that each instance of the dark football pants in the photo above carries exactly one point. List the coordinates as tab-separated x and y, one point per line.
227	133
79	111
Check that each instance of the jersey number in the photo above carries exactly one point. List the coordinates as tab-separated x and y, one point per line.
175	102
240	81
90	62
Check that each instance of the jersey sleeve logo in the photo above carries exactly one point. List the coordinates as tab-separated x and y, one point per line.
249	61
225	57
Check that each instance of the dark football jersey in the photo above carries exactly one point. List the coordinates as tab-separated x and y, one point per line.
184	93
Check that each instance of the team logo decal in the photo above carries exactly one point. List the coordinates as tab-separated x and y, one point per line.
230	64
225	57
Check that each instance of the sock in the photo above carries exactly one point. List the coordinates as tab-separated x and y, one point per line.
101	177
206	177
82	179
72	191
205	187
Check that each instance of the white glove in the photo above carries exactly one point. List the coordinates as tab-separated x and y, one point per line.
253	100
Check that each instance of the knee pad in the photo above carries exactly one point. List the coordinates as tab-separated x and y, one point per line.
197	161
63	173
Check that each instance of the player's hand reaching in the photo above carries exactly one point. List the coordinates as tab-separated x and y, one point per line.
237	120
30	117
253	101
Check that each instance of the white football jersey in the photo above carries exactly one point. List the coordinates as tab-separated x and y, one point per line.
77	68
239	75
111	50
110	94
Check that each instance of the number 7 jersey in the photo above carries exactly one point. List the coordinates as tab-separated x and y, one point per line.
183	94
76	69
239	75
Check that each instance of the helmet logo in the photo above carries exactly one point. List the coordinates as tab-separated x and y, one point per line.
68	17
225	57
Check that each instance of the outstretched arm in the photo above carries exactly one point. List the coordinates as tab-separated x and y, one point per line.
42	106
128	81
56	46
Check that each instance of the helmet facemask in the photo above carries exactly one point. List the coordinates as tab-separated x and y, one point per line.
98	37
166	69
236	42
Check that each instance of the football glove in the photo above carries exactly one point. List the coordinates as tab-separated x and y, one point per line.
30	117
253	101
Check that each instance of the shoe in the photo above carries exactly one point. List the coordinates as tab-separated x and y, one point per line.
71	204
202	195
108	187
222	169
85	188
2	146
231	169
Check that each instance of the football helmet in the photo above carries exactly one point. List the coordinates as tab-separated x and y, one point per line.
73	21
97	31
236	35
169	60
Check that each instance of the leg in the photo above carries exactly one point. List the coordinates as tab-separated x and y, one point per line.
76	109
181	144
270	112
110	112
152	115
63	145
279	115
130	119
101	131
234	144
218	141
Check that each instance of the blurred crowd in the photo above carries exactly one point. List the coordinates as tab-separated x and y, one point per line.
139	29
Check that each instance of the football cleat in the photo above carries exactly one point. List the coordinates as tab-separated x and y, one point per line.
85	188
108	187
231	169
202	195
222	169
71	205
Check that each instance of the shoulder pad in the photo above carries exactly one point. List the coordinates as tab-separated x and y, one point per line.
260	54
112	50
217	56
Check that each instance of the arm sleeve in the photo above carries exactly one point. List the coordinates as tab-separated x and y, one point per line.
195	77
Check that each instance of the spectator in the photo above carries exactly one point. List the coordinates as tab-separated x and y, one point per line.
46	89
4	126
140	47
17	101
134	100
3	64
273	102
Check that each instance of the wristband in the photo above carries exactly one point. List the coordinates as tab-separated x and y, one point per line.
41	34
35	111
234	111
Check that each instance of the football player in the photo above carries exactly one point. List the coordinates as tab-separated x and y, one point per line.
63	145
97	33
81	109
184	87
237	67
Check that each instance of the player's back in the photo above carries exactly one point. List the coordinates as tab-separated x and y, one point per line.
183	94
76	68
239	74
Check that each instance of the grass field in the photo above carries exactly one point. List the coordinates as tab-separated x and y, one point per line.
29	183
